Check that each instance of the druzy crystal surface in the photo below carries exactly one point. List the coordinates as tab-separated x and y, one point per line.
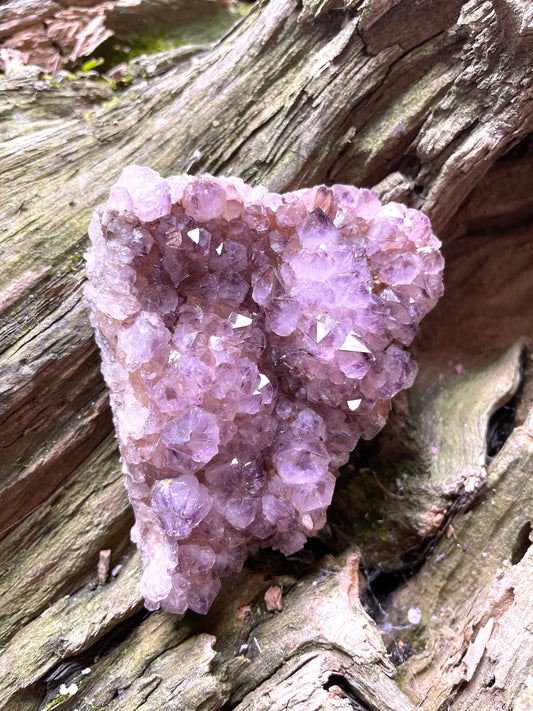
249	340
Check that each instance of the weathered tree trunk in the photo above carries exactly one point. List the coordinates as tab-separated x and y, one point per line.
430	104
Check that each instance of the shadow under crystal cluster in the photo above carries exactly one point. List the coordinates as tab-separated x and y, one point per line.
249	340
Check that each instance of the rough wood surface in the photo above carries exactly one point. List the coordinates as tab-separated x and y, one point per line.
474	595
431	104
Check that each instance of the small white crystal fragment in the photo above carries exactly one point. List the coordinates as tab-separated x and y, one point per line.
242	321
321	331
194	235
353	404
352	343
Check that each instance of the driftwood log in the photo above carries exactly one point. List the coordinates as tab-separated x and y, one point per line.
419	596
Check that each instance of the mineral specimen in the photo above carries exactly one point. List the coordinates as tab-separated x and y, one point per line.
249	340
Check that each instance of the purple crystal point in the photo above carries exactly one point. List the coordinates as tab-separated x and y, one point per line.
248	340
181	504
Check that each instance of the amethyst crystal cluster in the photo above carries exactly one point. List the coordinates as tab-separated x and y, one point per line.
249	340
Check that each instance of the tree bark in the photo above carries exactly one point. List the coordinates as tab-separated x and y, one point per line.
430	104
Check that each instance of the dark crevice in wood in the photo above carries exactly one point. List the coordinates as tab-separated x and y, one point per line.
381	584
330	22
339	686
399	651
523	542
492	227
518	151
503	421
502	200
501	425
69	667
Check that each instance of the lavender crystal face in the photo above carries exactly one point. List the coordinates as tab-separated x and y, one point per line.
248	340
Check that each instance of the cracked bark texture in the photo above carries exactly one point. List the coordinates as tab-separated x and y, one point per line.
430	104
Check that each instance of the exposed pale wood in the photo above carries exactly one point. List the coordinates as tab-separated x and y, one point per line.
418	99
476	591
322	631
450	425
